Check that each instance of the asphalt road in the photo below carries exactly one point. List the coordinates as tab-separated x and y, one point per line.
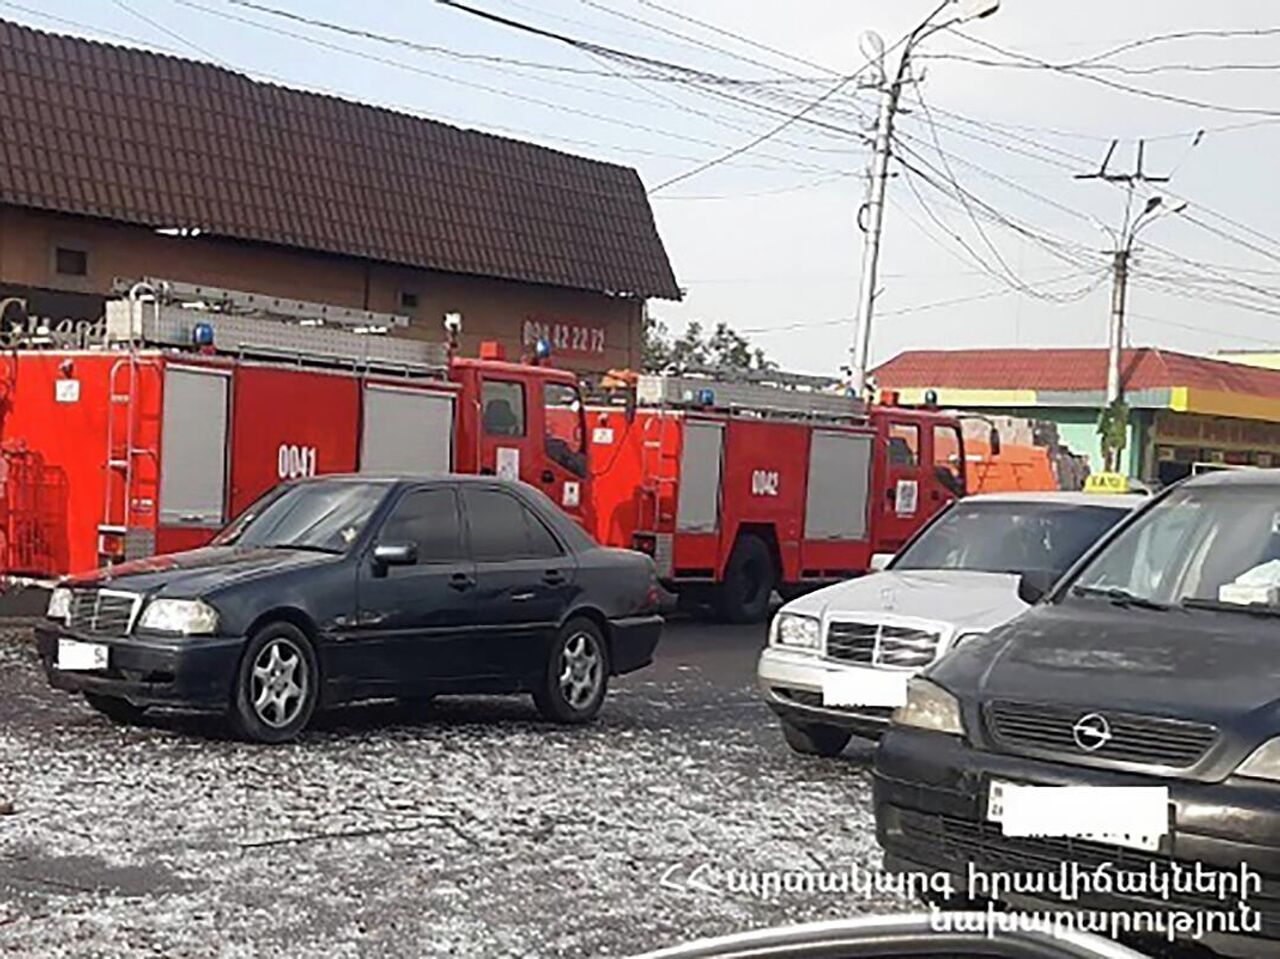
470	828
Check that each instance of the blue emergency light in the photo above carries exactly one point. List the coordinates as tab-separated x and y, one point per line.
202	334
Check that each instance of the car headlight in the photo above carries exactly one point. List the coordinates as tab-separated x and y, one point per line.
1263	762
59	604
929	706
189	617
797	632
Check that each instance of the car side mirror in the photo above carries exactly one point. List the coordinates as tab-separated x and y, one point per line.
395	554
880	561
1034	584
993	441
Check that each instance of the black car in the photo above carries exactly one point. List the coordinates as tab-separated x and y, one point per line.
1155	662
349	587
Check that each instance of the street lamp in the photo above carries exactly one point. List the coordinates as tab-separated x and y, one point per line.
871	216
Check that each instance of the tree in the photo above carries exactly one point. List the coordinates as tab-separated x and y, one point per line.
723	348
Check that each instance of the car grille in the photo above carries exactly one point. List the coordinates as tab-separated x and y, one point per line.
1148	740
951	842
103	612
881	644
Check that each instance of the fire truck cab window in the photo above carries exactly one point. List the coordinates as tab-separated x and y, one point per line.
904	444
502	528
429	519
947	458
503	403
565	433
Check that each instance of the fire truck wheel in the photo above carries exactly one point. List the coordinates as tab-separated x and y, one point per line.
117	710
816	740
577	676
276	686
749	579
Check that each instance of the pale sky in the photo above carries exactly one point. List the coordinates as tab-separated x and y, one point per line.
768	241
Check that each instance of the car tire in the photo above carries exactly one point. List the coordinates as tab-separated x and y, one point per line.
116	709
816	739
749	581
277	685
576	678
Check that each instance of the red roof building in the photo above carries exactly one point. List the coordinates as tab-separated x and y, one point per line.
1184	409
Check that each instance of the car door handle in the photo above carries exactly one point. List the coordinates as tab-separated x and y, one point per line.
522	597
553	577
461	581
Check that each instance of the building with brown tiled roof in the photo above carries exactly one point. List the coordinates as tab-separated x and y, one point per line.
123	162
1184	409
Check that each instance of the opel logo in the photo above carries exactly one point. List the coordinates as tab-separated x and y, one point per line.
1091	732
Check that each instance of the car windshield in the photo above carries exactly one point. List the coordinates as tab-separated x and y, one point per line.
320	516
1009	537
1215	544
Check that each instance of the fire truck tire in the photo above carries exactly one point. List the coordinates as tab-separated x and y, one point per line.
116	709
749	580
816	739
277	684
573	686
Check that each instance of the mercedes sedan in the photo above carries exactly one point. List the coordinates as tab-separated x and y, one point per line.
349	587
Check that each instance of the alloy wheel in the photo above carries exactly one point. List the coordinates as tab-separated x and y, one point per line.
581	670
279	683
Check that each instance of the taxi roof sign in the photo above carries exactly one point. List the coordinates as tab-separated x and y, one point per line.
1106	483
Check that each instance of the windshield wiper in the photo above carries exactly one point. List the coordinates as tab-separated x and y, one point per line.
1255	609
304	547
1121	597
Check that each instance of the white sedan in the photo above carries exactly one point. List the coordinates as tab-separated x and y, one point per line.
838	659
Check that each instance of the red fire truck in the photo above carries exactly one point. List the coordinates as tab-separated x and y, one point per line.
198	400
740	486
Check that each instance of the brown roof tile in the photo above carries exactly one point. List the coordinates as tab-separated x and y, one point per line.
178	143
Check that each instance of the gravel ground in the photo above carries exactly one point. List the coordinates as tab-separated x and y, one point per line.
467	829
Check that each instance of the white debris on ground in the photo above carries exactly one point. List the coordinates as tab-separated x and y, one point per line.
469	828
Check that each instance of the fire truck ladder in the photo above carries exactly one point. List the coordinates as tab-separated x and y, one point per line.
167	313
118	487
766	392
659	470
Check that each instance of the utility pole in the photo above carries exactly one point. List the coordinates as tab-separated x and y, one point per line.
1114	418
871	214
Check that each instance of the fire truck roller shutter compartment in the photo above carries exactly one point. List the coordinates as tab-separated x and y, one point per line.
406	431
839	481
698	509
193	443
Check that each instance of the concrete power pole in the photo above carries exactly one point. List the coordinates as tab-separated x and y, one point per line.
1113	421
871	215
874	225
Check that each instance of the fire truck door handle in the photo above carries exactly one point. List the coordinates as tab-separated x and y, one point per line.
548	476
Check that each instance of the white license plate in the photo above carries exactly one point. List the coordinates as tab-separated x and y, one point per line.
78	656
865	687
1136	817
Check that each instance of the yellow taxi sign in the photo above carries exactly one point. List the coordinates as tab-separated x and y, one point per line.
1106	483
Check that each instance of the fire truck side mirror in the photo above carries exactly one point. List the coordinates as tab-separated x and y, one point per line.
993	441
629	407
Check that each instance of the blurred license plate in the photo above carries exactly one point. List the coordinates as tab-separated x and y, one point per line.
865	687
75	655
1009	803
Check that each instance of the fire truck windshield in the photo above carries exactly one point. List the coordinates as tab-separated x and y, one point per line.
319	516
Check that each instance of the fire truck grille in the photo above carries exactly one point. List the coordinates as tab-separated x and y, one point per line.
880	644
103	612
